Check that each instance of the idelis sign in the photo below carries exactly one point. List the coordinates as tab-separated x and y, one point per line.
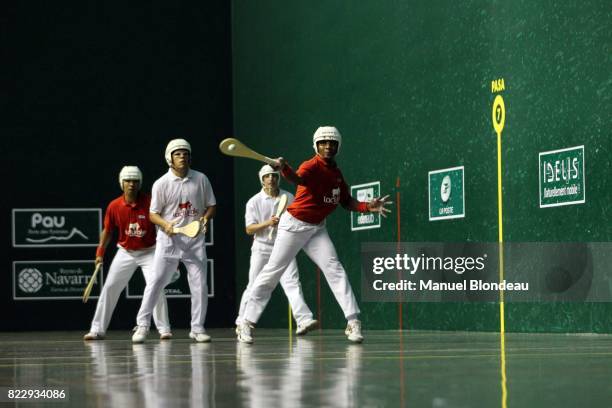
56	227
562	177
446	193
45	280
178	286
365	192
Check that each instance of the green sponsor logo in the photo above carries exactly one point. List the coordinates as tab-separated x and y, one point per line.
446	194
365	192
178	286
562	177
44	280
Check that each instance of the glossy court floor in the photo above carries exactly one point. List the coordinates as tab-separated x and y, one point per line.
405	369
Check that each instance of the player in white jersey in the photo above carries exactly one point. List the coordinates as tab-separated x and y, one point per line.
180	196
260	220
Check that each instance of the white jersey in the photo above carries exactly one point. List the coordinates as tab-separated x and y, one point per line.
181	199
262	207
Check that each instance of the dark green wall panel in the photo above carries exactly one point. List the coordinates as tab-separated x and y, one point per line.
409	86
88	87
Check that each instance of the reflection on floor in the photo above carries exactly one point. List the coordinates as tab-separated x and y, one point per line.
432	369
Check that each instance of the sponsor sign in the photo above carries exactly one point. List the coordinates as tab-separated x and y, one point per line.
178	286
56	227
446	194
209	238
54	280
562	177
365	192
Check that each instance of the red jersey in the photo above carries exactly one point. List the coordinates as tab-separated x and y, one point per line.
324	188
132	221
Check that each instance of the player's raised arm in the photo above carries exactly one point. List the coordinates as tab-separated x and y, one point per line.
288	173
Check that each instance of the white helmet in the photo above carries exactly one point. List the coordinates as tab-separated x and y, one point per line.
266	169
176	144
130	173
326	133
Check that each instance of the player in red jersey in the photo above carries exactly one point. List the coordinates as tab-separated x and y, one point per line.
129	213
321	187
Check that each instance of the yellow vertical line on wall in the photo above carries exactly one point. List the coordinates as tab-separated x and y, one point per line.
502	323
500	223
499	119
499	190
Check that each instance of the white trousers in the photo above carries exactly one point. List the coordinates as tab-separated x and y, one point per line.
121	270
289	280
168	252
294	235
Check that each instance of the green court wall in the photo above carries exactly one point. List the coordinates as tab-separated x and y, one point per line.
409	85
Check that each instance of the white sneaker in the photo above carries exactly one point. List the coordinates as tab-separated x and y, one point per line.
353	331
200	337
306	326
140	334
165	336
93	336
243	331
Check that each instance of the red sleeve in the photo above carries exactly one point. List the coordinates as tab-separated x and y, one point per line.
362	207
305	171
287	171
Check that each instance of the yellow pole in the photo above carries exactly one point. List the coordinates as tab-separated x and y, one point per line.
499	118
502	322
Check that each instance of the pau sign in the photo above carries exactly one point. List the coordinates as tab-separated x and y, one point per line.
56	227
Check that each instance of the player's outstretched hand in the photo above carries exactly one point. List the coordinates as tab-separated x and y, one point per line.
378	205
280	163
